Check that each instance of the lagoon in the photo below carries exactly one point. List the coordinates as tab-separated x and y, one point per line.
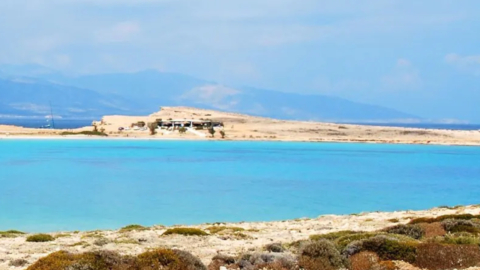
53	185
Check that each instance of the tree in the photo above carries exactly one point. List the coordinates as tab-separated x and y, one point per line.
222	133
152	127
182	130
211	130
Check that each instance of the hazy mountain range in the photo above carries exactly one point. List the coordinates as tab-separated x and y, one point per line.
29	90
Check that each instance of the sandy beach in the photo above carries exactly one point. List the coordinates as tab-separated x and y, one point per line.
251	237
250	128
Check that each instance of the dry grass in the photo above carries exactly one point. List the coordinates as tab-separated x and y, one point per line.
433	229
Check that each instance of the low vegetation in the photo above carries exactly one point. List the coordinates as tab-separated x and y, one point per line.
446	242
165	259
133	227
413	231
219	229
41	237
87	133
11	233
185	231
444	217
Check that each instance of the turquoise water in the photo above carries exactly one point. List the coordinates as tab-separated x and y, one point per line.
49	185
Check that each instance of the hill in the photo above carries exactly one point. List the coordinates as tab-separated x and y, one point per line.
142	92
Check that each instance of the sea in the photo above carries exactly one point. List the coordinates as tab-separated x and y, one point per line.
64	185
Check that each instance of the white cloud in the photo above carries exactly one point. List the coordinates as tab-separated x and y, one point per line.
468	63
404	76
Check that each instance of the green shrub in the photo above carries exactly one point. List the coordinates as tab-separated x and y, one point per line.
343	241
332	236
185	231
133	227
321	254
217	229
413	231
460	225
168	259
222	133
11	233
442	218
41	237
462	238
182	130
88	133
275	247
388	248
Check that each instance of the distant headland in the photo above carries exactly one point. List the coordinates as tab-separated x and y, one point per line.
200	124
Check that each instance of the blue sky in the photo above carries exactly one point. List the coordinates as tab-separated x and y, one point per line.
421	57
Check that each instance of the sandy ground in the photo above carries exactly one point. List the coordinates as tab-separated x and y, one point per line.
255	236
245	127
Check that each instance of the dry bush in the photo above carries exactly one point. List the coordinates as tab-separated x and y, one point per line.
435	256
221	260
56	261
18	263
275	247
364	261
256	261
158	259
102	260
333	235
433	229
185	231
413	231
321	255
165	259
459	225
442	218
391	249
191	262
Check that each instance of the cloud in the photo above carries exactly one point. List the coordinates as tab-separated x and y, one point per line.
120	32
404	76
469	63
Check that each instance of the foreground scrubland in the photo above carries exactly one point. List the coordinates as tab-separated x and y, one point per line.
440	238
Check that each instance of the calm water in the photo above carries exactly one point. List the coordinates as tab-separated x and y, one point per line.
37	123
49	185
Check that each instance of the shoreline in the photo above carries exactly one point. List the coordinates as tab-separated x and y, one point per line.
179	139
238	238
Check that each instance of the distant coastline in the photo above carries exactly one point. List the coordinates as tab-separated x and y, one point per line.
241	127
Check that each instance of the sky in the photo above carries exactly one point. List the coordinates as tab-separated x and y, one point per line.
420	57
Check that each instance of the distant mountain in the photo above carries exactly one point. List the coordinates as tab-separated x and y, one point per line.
29	97
144	92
